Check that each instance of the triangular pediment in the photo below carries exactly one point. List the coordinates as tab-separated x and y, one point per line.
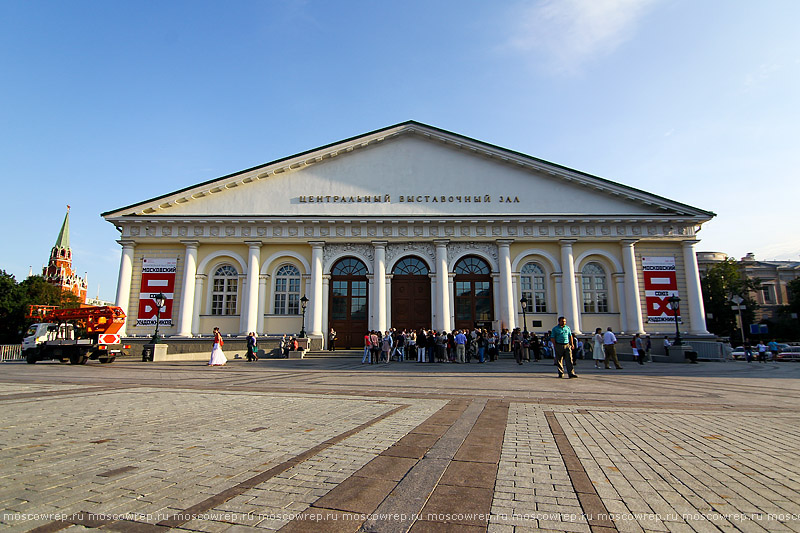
410	170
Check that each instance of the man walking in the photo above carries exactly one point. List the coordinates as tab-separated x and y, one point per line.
564	343
609	348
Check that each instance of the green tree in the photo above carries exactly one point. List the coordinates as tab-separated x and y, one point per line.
722	282
16	298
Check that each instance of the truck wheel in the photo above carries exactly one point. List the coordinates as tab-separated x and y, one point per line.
78	359
30	356
106	360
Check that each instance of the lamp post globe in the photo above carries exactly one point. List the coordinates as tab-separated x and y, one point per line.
675	305
303	304
159	300
524	303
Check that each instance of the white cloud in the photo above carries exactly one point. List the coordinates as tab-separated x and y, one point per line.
571	32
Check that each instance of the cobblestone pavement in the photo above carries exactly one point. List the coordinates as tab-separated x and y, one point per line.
332	445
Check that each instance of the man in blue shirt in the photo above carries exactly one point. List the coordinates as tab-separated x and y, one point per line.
564	343
461	345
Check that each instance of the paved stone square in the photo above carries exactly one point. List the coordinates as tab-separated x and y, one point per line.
333	445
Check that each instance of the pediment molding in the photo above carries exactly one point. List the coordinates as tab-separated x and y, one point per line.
162	205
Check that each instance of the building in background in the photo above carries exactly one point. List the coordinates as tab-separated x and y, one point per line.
58	271
409	226
773	275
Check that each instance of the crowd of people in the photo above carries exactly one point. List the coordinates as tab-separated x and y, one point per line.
482	345
476	344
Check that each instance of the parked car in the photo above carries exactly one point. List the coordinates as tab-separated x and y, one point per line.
790	353
738	353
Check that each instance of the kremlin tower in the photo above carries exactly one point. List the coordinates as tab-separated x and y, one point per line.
59	271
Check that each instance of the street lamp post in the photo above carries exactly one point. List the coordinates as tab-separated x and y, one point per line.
524	303
738	300
675	305
159	299
303	304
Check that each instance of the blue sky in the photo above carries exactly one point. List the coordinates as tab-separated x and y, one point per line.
104	104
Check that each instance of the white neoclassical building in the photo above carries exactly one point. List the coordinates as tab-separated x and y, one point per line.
408	226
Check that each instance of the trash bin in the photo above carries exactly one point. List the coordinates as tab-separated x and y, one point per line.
147	353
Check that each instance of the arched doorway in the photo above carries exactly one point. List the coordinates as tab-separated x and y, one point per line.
411	295
349	302
473	293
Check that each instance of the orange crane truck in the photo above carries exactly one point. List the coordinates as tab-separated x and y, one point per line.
74	334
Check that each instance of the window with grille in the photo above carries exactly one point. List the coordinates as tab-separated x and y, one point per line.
287	290
533	287
225	290
595	289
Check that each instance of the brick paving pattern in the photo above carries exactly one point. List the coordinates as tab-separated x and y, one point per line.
330	445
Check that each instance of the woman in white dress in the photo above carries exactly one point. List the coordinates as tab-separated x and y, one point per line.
217	355
597	348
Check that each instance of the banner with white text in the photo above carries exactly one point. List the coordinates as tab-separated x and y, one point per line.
158	277
660	283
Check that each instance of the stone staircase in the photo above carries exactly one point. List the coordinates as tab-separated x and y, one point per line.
338	354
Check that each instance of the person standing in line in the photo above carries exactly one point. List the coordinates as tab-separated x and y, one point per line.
610	349
564	343
367	348
461	346
536	347
639	342
252	349
422	341
217	355
400	349
375	347
516	345
597	348
386	347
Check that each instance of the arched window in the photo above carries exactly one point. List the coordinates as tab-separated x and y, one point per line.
287	290
532	281
349	267
595	289
410	266
472	265
225	290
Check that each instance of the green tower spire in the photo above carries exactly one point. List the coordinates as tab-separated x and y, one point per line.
63	235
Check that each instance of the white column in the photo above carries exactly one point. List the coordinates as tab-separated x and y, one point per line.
619	281
262	302
187	290
316	293
199	281
389	299
443	287
253	272
568	285
507	314
559	294
379	283
326	291
124	281
694	293
633	304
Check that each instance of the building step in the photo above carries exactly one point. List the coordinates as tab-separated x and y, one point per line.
338	354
